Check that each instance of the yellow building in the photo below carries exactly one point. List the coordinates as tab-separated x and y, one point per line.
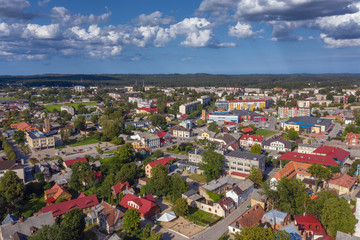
39	140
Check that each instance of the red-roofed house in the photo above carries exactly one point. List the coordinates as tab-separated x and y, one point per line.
121	188
249	140
71	162
310	224
352	139
336	153
342	183
110	218
24	126
82	202
165	137
162	161
247	130
146	110
55	193
145	205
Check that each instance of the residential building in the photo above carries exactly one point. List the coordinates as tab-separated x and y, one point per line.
205	100
79	88
307	124
249	218
82	202
56	192
241	162
241	192
290	112
139	124
188	107
218	186
222	105
11	165
325	155
165	161
307	148
221	207
146	206
310	225
276	219
179	131
24	126
208	135
37	140
145	110
147	140
235	116
249	140
123	188
24	228
342	183
195	155
69	163
110	218
250	104
352	139
278	144
68	109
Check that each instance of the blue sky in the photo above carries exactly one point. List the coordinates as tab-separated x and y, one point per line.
171	36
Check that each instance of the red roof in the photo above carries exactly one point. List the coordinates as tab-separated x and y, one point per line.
309	158
80	203
248	130
343	180
230	123
333	152
253	100
98	175
254	138
119	187
310	223
183	117
145	205
161	134
68	163
326	238
147	109
23	126
244	175
161	161
50	200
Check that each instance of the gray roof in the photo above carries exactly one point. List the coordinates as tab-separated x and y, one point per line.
246	155
9	218
114	237
199	151
274	217
344	236
189	193
215	184
287	144
7	231
294	234
9	165
245	184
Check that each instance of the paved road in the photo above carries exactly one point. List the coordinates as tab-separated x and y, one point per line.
335	130
219	229
272	123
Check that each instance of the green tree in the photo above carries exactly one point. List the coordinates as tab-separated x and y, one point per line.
292	134
255	233
330	96
157	120
11	186
351	99
213	127
256	148
181	208
255	175
128	172
319	173
73	224
47	232
19	137
95	119
160	183
158	153
80	123
212	164
131	220
3	206
39	176
125	154
81	172
178	186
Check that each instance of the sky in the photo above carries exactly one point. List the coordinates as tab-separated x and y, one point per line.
173	36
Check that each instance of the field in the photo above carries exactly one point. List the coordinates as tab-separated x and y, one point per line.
74	105
264	132
83	141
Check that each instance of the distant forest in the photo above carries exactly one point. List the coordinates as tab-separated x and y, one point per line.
289	81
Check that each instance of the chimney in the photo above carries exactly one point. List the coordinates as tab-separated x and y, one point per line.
21	220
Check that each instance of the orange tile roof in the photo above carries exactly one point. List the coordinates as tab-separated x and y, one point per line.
344	180
24	126
291	169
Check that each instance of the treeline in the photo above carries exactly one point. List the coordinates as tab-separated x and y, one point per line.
9	151
289	81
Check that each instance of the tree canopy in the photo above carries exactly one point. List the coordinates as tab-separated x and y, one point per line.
256	148
319	173
255	175
11	186
131	220
212	164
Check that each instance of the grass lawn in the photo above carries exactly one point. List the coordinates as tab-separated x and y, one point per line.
264	132
82	141
74	105
198	177
33	206
105	160
200	217
7	98
111	151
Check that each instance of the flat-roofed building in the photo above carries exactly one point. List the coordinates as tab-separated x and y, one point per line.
38	140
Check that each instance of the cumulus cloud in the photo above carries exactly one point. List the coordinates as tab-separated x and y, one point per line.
41	31
63	15
339	43
154	19
16	9
241	30
43	2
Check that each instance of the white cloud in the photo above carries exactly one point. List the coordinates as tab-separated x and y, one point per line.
339	43
241	30
43	2
154	19
4	29
15	9
41	32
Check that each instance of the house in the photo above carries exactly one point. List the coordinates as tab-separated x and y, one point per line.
307	148
123	188
207	135
56	192
218	186
295	234
276	219
195	155
310	225
161	161
109	218
179	131
139	124
192	198
146	110
82	202
342	183
225	140
165	137
24	126
249	218
296	170
146	206
11	165
241	192
247	130
24	228
278	144
352	139
241	161
69	163
249	140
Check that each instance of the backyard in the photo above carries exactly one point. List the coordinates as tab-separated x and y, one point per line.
51	107
200	217
264	132
198	177
82	141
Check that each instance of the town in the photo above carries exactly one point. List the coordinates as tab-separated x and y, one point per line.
147	162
